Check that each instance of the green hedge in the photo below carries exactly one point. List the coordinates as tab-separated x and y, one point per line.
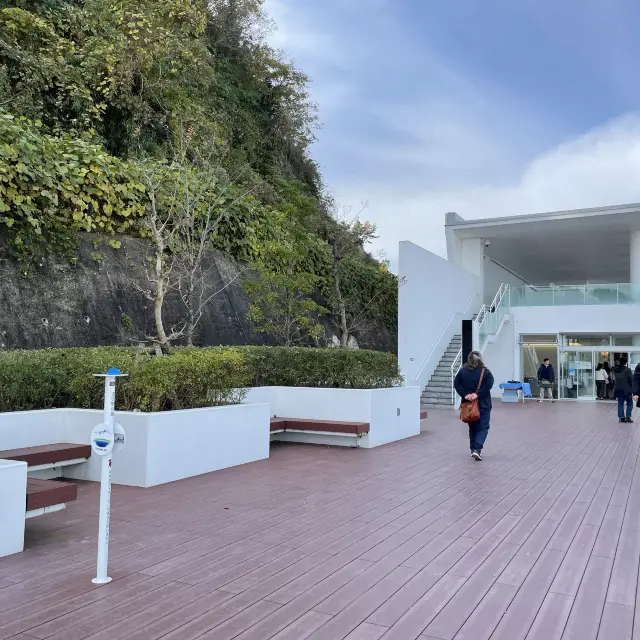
189	378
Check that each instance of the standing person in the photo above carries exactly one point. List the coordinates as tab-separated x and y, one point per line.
475	381
546	378
624	390
636	386
602	377
609	390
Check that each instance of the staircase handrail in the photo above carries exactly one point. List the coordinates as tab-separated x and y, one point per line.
455	367
443	334
495	307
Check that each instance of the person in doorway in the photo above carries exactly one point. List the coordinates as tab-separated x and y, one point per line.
609	388
624	390
475	381
636	386
602	377
546	379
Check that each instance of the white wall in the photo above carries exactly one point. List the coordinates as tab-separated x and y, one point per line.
13	505
129	463
346	405
432	299
494	276
395	415
31	428
160	447
578	319
377	407
499	356
204	440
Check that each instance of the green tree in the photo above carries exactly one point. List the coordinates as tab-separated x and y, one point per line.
282	306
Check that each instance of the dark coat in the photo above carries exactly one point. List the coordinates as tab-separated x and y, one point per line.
546	373
636	382
466	382
624	379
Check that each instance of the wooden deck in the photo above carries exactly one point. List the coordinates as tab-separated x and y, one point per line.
412	540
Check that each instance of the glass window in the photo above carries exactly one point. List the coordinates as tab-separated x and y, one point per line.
549	338
622	341
587	341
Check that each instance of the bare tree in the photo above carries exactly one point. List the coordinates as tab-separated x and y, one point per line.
347	237
184	210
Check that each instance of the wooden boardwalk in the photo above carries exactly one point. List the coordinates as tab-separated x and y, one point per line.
413	540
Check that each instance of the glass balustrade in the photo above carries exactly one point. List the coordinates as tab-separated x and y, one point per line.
575	295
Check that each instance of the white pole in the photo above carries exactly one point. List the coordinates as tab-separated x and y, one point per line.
103	439
105	482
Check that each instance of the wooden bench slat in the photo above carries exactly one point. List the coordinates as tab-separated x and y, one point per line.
327	426
47	453
47	493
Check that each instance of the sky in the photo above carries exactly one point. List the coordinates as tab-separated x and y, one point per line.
487	108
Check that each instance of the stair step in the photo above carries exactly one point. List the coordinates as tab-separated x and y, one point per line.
432	405
434	397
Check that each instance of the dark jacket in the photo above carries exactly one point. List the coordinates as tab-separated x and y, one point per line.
466	382
546	373
624	379
636	381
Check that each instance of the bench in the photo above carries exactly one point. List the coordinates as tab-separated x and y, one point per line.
47	496
334	428
49	456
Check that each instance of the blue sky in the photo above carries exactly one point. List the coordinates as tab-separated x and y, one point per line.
485	108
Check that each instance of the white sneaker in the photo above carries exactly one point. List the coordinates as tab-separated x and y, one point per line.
476	456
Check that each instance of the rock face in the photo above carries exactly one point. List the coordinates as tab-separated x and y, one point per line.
95	301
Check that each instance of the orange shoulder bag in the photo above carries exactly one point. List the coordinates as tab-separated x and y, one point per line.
470	410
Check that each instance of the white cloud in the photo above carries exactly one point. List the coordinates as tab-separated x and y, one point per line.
597	169
416	136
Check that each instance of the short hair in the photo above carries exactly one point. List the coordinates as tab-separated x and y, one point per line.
474	360
547	360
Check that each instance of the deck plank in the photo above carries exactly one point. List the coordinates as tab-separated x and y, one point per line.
411	540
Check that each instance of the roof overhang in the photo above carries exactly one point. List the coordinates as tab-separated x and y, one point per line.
562	247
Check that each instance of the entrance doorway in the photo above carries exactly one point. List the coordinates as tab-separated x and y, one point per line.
578	375
578	371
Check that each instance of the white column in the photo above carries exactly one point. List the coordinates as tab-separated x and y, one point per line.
472	259
635	258
634	275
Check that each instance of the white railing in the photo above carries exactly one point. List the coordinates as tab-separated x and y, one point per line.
489	318
455	367
443	342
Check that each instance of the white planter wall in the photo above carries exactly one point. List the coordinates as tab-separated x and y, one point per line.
160	447
13	503
378	407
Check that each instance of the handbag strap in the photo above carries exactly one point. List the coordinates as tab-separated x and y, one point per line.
480	381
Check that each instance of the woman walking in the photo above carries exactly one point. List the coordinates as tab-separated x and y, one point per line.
602	377
474	382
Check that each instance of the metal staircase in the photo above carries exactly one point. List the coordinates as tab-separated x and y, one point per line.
438	393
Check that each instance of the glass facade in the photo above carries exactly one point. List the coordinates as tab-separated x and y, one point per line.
583	294
575	359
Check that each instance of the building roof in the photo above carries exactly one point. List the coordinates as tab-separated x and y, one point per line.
562	246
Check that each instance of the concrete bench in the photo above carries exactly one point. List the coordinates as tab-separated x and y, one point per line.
317	431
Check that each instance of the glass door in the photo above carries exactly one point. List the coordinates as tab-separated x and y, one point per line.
583	368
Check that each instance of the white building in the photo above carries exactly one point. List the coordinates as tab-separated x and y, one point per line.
563	285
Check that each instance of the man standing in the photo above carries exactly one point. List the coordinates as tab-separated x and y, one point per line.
624	390
546	378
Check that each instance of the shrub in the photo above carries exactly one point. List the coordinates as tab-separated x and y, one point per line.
332	368
64	378
189	378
